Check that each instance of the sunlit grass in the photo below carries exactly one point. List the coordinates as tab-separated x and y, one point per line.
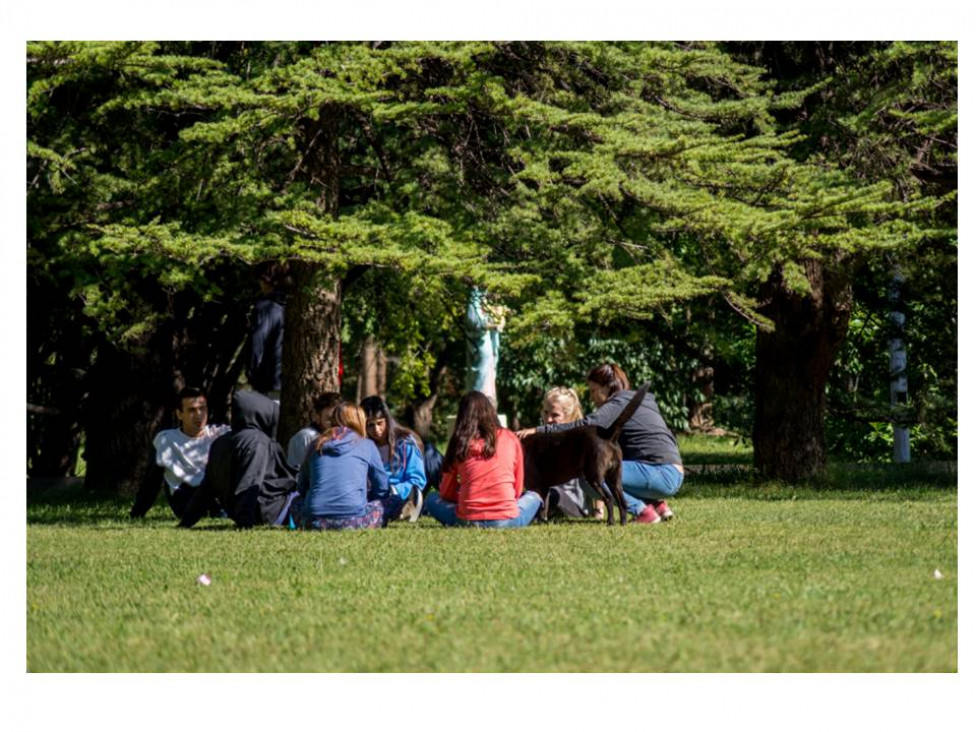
748	577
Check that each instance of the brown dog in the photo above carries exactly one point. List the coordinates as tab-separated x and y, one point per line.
552	459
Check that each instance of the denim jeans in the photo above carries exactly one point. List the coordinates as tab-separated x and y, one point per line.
644	481
446	512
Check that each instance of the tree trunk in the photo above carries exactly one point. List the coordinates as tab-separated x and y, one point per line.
700	413
792	365
310	360
313	314
372	370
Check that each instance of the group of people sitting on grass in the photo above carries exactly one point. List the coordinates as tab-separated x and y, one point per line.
355	467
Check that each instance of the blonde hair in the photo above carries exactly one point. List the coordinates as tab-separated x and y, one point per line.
574	409
346	414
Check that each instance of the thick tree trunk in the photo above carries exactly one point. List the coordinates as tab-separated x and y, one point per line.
310	361
792	365
313	314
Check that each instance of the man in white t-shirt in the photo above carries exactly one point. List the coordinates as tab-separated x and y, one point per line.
180	456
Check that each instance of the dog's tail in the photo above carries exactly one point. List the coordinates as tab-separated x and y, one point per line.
627	413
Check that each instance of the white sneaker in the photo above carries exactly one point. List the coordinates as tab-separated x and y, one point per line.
414	505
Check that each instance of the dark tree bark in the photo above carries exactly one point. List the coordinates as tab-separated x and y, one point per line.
310	360
792	365
313	314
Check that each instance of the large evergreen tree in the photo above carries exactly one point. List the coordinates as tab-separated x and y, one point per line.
656	173
578	182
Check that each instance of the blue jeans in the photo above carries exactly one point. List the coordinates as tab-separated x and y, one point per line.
446	512
648	482
644	481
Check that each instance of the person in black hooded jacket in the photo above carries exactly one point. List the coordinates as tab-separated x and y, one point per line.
247	471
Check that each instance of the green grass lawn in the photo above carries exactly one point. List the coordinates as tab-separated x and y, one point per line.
746	578
699	449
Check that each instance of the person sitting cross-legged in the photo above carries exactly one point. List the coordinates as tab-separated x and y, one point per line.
343	484
482	480
247	471
400	449
179	457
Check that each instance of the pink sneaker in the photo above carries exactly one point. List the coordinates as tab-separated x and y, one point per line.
663	510
648	516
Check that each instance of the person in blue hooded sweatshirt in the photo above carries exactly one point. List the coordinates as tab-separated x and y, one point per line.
400	449
343	484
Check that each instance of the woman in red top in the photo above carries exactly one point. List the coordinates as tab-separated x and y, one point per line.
482	482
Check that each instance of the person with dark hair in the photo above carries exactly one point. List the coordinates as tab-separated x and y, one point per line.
433	459
482	481
343	484
301	441
266	339
651	469
179	456
400	449
247	471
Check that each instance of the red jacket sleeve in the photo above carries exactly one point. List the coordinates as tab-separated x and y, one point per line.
518	469
450	484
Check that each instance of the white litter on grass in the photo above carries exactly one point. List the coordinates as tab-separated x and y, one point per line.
204	579
342	562
937	574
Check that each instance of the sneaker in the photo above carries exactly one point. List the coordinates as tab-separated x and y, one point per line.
413	506
663	510
648	516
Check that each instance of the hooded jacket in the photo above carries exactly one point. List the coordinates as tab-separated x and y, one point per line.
247	471
339	478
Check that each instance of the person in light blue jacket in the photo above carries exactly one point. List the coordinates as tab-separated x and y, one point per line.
402	452
342	483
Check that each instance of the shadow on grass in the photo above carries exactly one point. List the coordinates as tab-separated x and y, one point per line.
853	481
69	503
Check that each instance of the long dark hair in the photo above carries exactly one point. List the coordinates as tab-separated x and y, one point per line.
610	376
476	418
374	406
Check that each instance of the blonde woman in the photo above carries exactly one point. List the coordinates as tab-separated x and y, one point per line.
651	469
342	483
561	405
